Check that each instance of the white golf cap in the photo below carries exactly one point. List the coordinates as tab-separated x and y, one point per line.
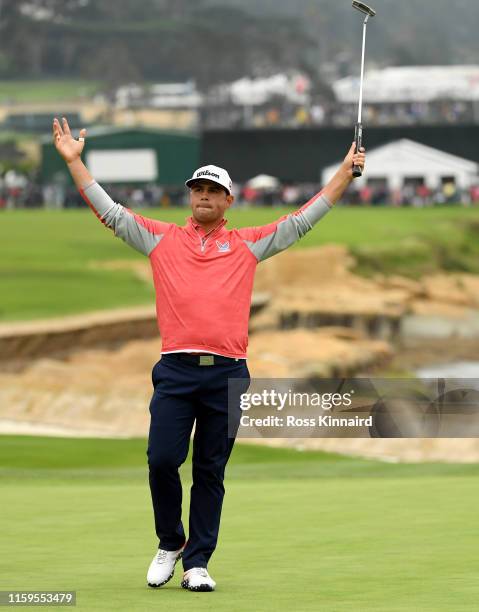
214	174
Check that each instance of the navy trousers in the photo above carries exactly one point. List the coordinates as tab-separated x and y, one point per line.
184	393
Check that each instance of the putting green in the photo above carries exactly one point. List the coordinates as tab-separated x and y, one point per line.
300	530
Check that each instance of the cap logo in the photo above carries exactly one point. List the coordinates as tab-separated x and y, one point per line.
207	173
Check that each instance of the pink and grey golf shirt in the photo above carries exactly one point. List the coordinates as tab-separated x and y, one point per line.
203	281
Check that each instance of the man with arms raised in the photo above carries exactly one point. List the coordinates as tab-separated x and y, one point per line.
203	275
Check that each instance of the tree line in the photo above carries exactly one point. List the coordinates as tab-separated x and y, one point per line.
148	40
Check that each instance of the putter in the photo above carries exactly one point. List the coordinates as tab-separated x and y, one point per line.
358	131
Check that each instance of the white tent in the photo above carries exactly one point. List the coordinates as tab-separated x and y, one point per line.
263	181
402	159
252	92
411	84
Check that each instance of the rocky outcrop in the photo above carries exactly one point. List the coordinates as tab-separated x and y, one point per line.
108	391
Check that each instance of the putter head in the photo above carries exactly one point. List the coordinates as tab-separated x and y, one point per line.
364	8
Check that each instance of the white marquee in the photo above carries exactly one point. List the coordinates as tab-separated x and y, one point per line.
402	159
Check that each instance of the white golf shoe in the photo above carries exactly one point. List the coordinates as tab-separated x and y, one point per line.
162	567
198	579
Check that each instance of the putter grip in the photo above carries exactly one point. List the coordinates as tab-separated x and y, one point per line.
358	137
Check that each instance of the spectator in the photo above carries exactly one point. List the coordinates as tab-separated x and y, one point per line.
474	194
450	192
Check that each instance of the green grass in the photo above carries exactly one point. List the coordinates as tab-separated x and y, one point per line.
44	269
54	90
300	531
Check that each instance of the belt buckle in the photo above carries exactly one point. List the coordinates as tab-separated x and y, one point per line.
207	360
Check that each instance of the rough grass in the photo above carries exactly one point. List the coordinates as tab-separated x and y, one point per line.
300	530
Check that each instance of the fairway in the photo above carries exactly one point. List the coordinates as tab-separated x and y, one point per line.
48	258
43	90
300	531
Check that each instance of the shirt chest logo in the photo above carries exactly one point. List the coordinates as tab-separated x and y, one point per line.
223	247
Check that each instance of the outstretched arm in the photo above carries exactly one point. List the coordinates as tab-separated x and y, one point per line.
141	233
267	240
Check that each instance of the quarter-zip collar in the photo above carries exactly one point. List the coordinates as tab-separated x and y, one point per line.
203	236
199	230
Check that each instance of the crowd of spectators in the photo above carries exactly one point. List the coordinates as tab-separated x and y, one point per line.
29	194
331	113
417	195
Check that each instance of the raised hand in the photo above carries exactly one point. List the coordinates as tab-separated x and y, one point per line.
69	148
354	159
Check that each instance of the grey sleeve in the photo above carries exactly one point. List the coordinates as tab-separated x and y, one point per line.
139	232
288	230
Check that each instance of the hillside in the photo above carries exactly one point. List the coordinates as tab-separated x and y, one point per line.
213	41
403	32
